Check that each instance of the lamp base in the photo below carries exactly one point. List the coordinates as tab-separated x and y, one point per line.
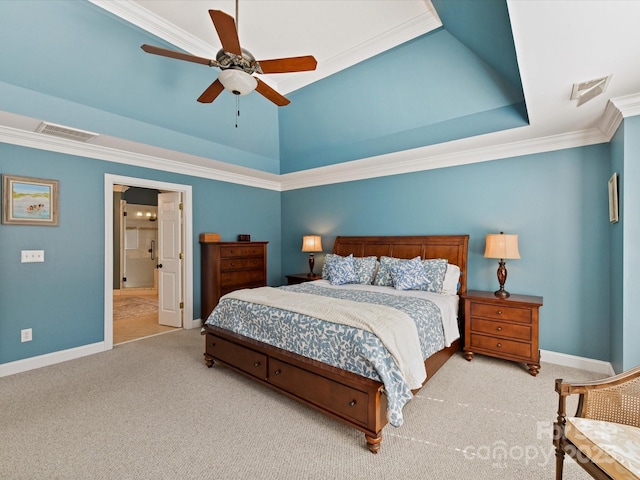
312	262
502	293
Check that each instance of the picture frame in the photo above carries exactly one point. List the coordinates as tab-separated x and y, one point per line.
613	198
30	201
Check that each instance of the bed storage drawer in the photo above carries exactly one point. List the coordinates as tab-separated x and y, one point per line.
341	399
245	359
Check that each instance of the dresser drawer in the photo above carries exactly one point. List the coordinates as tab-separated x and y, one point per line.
500	312
242	277
241	251
500	346
334	396
245	359
503	329
227	264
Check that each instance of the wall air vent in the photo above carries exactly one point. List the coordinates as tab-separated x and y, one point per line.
65	132
585	91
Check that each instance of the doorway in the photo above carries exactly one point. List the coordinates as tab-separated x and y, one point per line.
180	278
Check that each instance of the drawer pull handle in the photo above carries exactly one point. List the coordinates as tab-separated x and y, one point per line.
277	372
499	312
499	345
499	329
352	403
233	264
257	364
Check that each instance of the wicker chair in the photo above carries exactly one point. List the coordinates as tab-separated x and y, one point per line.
604	435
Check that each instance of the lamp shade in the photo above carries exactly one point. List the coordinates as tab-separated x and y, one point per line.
311	243
237	81
499	245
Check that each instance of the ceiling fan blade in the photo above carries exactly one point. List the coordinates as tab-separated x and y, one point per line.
270	94
227	31
285	65
178	55
210	94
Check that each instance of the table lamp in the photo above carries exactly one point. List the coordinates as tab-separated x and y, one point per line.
502	247
311	244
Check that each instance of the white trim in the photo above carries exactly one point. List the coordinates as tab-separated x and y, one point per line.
566	360
187	249
47	359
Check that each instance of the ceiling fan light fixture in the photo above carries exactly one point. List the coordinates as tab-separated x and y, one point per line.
237	81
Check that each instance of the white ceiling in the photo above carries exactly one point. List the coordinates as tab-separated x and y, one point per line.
338	33
558	43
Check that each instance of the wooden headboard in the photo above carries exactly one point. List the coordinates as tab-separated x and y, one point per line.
452	247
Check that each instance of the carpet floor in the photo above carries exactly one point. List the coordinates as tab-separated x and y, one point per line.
152	410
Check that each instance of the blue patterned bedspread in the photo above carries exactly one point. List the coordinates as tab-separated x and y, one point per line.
342	346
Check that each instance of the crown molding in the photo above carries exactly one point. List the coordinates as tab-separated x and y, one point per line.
407	161
618	109
146	20
425	158
234	174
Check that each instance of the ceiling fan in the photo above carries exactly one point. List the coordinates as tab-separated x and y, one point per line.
237	64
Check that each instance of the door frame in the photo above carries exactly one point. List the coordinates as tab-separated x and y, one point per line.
187	236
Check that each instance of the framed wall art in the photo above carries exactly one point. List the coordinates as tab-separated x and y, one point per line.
29	201
613	198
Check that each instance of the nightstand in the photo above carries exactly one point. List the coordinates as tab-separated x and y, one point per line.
502	327
301	278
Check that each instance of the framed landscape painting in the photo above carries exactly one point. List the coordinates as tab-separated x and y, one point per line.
29	201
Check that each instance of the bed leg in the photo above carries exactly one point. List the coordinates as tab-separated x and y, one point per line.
373	443
208	360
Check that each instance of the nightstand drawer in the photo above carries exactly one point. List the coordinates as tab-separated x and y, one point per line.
501	346
500	312
503	329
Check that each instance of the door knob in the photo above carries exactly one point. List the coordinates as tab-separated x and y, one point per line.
159	265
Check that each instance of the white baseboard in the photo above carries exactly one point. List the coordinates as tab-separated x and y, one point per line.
27	364
32	363
566	360
196	323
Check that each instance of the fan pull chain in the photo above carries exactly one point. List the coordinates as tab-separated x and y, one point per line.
237	109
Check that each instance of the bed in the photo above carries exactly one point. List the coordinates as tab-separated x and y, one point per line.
366	394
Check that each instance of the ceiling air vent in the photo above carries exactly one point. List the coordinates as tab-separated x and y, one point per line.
65	132
585	91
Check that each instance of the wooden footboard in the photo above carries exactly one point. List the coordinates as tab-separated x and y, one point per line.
352	399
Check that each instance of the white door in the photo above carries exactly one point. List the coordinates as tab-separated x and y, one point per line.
169	262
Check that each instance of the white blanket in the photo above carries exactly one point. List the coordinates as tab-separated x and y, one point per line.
395	329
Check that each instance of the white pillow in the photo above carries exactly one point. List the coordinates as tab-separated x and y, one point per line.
451	282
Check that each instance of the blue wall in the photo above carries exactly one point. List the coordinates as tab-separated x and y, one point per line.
556	202
62	298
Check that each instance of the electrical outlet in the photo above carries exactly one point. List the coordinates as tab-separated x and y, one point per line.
31	256
25	335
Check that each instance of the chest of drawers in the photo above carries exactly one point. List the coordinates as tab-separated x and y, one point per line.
229	266
504	328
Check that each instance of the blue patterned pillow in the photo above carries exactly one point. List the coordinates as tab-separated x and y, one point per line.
409	275
328	258
342	270
435	270
383	277
365	267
